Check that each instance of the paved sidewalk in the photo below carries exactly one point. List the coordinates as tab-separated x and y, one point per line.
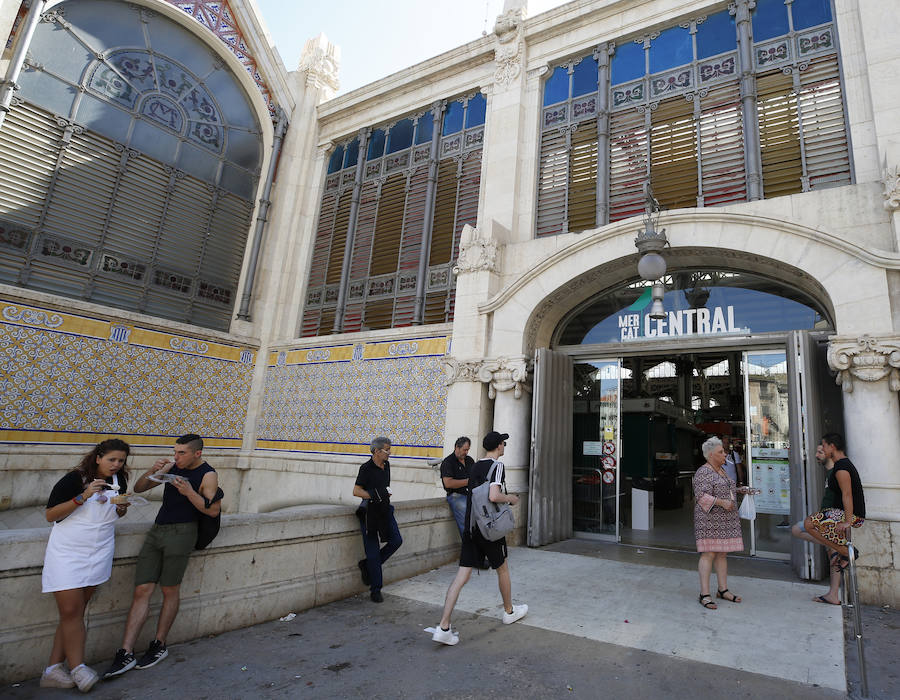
574	643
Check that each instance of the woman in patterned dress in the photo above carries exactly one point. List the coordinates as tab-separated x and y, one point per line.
717	525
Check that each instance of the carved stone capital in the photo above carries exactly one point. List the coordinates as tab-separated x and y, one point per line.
509	49
507	373
866	359
476	252
890	180
321	60
501	374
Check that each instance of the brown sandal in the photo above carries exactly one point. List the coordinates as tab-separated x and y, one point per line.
709	604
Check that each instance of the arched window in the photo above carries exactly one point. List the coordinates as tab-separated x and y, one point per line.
132	158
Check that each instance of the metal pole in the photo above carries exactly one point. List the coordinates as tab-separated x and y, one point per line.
262	216
9	85
853	594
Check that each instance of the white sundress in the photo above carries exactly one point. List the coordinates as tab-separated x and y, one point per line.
80	549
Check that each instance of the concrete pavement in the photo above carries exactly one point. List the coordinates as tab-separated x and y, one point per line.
574	643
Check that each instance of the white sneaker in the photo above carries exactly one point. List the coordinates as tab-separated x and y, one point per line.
448	637
56	677
519	611
84	677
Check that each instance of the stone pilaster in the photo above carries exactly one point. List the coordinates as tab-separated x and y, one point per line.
868	369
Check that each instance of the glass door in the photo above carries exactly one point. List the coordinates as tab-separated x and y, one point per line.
769	456
596	448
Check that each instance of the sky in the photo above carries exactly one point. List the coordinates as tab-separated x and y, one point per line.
379	37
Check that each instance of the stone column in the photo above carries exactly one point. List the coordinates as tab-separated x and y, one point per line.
510	386
869	371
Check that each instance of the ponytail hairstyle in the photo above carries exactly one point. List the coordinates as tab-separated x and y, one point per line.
87	467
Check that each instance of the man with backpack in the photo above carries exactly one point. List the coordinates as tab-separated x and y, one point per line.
476	547
191	487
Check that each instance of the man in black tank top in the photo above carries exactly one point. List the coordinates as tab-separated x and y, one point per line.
831	525
167	546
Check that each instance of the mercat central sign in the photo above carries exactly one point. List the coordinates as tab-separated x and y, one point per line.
685	322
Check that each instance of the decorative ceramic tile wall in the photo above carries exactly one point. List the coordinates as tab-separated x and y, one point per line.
66	378
335	399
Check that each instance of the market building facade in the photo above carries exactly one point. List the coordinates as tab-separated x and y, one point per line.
452	248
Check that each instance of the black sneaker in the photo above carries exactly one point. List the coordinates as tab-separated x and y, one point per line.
376	597
123	662
156	653
364	571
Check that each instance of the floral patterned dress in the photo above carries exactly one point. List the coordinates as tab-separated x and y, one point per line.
715	529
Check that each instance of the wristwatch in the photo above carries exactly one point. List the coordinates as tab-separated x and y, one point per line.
79	499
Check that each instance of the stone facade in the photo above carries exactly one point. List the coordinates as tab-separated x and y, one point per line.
298	399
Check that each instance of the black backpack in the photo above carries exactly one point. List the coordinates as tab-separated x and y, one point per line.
207	525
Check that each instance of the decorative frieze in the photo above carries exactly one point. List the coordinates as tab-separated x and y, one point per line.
866	359
477	251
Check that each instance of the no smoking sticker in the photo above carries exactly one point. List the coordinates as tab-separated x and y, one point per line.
609	477
609	448
609	462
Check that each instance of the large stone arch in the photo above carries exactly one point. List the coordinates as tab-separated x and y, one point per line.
846	278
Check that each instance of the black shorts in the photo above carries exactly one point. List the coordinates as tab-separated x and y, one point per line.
475	549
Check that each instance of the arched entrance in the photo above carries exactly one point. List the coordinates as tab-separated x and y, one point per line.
736	353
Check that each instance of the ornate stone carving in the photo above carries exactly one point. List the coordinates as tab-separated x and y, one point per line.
865	358
501	374
321	60
890	180
476	252
510	44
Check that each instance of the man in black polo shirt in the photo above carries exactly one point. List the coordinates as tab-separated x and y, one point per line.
376	515
455	477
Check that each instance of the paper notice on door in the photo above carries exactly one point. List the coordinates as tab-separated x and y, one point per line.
592	447
773	479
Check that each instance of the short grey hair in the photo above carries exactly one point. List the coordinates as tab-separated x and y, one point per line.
709	446
379	443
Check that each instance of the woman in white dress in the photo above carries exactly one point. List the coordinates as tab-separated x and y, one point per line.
80	553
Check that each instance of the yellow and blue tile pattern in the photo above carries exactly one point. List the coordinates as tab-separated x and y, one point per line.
67	378
334	399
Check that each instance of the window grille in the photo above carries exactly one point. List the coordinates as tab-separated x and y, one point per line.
675	118
389	223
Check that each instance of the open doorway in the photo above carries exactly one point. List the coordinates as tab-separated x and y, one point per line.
670	405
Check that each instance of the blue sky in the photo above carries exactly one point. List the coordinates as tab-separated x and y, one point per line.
380	37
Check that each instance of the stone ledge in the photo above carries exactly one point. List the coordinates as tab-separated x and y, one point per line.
261	566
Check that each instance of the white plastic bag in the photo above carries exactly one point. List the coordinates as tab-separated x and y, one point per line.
748	508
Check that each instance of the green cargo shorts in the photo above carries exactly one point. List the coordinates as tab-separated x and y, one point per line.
164	556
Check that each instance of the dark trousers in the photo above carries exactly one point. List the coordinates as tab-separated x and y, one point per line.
376	555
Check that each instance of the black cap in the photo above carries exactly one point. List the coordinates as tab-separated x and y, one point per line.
493	440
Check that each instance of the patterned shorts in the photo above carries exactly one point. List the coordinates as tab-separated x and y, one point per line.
825	520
